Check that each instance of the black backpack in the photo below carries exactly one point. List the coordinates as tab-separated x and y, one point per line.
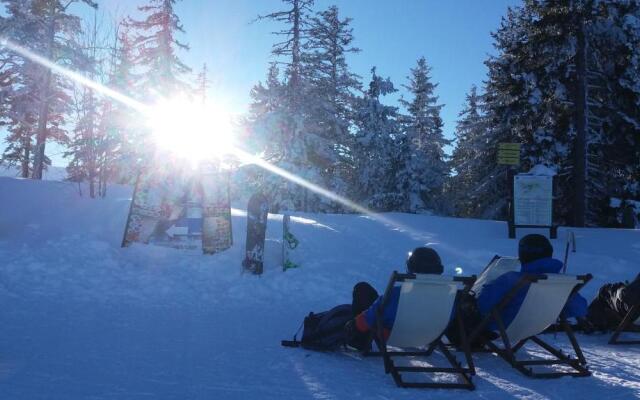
323	331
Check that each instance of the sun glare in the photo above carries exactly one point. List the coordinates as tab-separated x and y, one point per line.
191	129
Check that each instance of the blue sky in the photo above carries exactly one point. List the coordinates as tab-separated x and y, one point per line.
454	36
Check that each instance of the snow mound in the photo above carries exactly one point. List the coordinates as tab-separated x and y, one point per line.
542	170
84	318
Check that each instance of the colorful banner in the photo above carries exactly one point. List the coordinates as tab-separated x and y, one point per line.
182	209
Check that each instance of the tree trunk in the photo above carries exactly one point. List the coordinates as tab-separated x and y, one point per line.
580	148
295	57
41	136
43	117
24	168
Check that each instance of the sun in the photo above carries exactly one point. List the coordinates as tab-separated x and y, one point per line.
193	130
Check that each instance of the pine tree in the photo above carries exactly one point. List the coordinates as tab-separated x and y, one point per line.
155	48
289	50
18	112
50	29
290	145
266	110
534	96
291	141
331	99
471	137
125	135
202	84
86	143
376	147
424	169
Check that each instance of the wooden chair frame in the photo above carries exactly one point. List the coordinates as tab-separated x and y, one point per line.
578	365
454	367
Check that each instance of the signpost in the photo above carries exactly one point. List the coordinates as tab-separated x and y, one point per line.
181	209
531	196
532	203
509	153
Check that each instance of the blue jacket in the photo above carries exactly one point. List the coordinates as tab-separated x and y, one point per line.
367	320
492	292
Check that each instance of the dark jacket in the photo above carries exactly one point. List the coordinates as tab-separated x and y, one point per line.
491	293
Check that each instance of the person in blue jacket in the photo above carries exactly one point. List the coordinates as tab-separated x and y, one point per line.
422	260
536	257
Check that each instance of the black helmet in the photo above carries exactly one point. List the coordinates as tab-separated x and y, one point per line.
424	260
534	247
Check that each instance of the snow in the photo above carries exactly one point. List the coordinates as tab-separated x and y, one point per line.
83	318
615	202
542	170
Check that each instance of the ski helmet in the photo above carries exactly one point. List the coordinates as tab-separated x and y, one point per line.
424	260
534	247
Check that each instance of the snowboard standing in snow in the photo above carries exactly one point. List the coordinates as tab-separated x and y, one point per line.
289	242
257	211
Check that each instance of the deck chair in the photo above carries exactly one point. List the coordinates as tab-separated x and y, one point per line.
630	323
542	307
424	310
496	267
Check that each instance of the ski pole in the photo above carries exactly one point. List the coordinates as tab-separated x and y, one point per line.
571	240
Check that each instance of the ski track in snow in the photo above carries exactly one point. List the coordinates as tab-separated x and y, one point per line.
84	319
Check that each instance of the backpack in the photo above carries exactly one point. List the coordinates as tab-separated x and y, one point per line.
324	330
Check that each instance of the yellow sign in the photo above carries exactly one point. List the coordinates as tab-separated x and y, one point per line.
509	153
509	146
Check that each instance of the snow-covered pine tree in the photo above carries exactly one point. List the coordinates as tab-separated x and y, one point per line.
50	29
532	97
87	145
290	143
266	113
375	148
503	124
424	168
470	147
160	74
18	112
123	134
155	50
330	100
613	118
274	133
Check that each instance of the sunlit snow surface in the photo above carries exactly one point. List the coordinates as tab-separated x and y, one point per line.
81	318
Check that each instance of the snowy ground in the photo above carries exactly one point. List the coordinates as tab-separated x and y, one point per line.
82	318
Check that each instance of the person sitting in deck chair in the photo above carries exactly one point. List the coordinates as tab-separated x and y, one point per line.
422	260
612	303
536	257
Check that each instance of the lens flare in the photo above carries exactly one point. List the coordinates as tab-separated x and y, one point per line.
189	129
74	76
177	121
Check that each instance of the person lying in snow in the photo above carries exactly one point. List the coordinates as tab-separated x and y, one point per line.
422	260
612	303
